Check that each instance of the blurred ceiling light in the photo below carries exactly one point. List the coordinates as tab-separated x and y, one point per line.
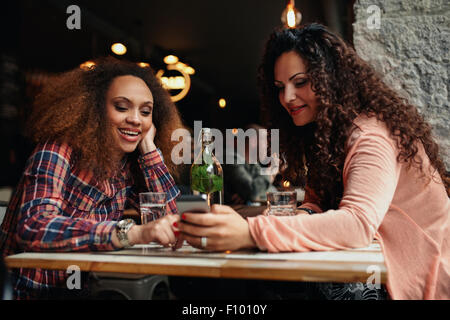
87	65
119	49
144	65
182	82
173	83
170	59
234	131
222	103
182	66
189	70
291	17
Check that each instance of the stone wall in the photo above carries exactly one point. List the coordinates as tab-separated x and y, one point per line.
411	50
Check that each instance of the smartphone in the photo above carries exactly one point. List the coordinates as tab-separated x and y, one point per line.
192	204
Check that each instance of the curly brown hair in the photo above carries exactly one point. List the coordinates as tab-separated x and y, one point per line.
346	87
71	108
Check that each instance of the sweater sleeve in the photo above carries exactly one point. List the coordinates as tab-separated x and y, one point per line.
157	179
42	225
371	174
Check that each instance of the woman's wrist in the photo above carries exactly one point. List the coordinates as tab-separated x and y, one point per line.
134	234
146	146
249	243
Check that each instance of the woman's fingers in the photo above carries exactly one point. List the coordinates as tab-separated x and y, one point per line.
201	219
179	242
194	229
170	226
147	143
163	230
219	208
196	242
208	219
223	229
162	234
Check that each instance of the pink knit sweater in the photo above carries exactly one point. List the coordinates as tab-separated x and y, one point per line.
383	199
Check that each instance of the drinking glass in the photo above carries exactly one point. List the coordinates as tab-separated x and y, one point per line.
281	203
152	206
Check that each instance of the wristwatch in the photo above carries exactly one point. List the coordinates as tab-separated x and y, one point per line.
122	228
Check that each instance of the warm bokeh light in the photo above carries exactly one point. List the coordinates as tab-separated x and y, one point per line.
286	184
291	17
119	49
184	67
173	83
143	65
222	103
170	59
189	70
234	131
179	65
87	65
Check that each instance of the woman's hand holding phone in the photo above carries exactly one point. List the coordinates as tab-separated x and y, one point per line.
223	229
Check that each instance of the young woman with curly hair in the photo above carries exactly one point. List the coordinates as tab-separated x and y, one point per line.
101	134
366	158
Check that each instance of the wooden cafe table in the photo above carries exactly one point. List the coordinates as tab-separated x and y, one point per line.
354	265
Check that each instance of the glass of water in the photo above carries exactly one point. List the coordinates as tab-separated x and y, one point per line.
152	205
281	203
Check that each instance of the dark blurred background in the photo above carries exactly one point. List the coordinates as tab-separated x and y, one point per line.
221	40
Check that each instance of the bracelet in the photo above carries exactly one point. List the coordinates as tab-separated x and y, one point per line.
307	210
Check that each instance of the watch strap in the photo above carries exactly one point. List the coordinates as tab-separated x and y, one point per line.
122	229
307	210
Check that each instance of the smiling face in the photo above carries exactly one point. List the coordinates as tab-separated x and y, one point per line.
129	105
294	88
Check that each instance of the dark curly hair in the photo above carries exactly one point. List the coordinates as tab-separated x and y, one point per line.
346	87
71	108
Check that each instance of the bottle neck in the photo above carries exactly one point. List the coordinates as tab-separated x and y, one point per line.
207	147
207	141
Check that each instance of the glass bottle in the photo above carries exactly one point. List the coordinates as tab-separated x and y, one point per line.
206	171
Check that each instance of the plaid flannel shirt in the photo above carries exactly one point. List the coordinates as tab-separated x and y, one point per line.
58	208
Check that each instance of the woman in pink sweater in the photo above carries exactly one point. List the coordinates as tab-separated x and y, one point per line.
366	158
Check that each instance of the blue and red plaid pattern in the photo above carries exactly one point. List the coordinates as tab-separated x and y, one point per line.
59	208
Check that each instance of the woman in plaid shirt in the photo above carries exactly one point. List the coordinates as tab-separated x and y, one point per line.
96	131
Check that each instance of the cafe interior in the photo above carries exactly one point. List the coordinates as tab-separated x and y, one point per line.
206	54
216	44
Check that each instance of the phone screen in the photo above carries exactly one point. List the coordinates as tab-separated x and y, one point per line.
192	204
